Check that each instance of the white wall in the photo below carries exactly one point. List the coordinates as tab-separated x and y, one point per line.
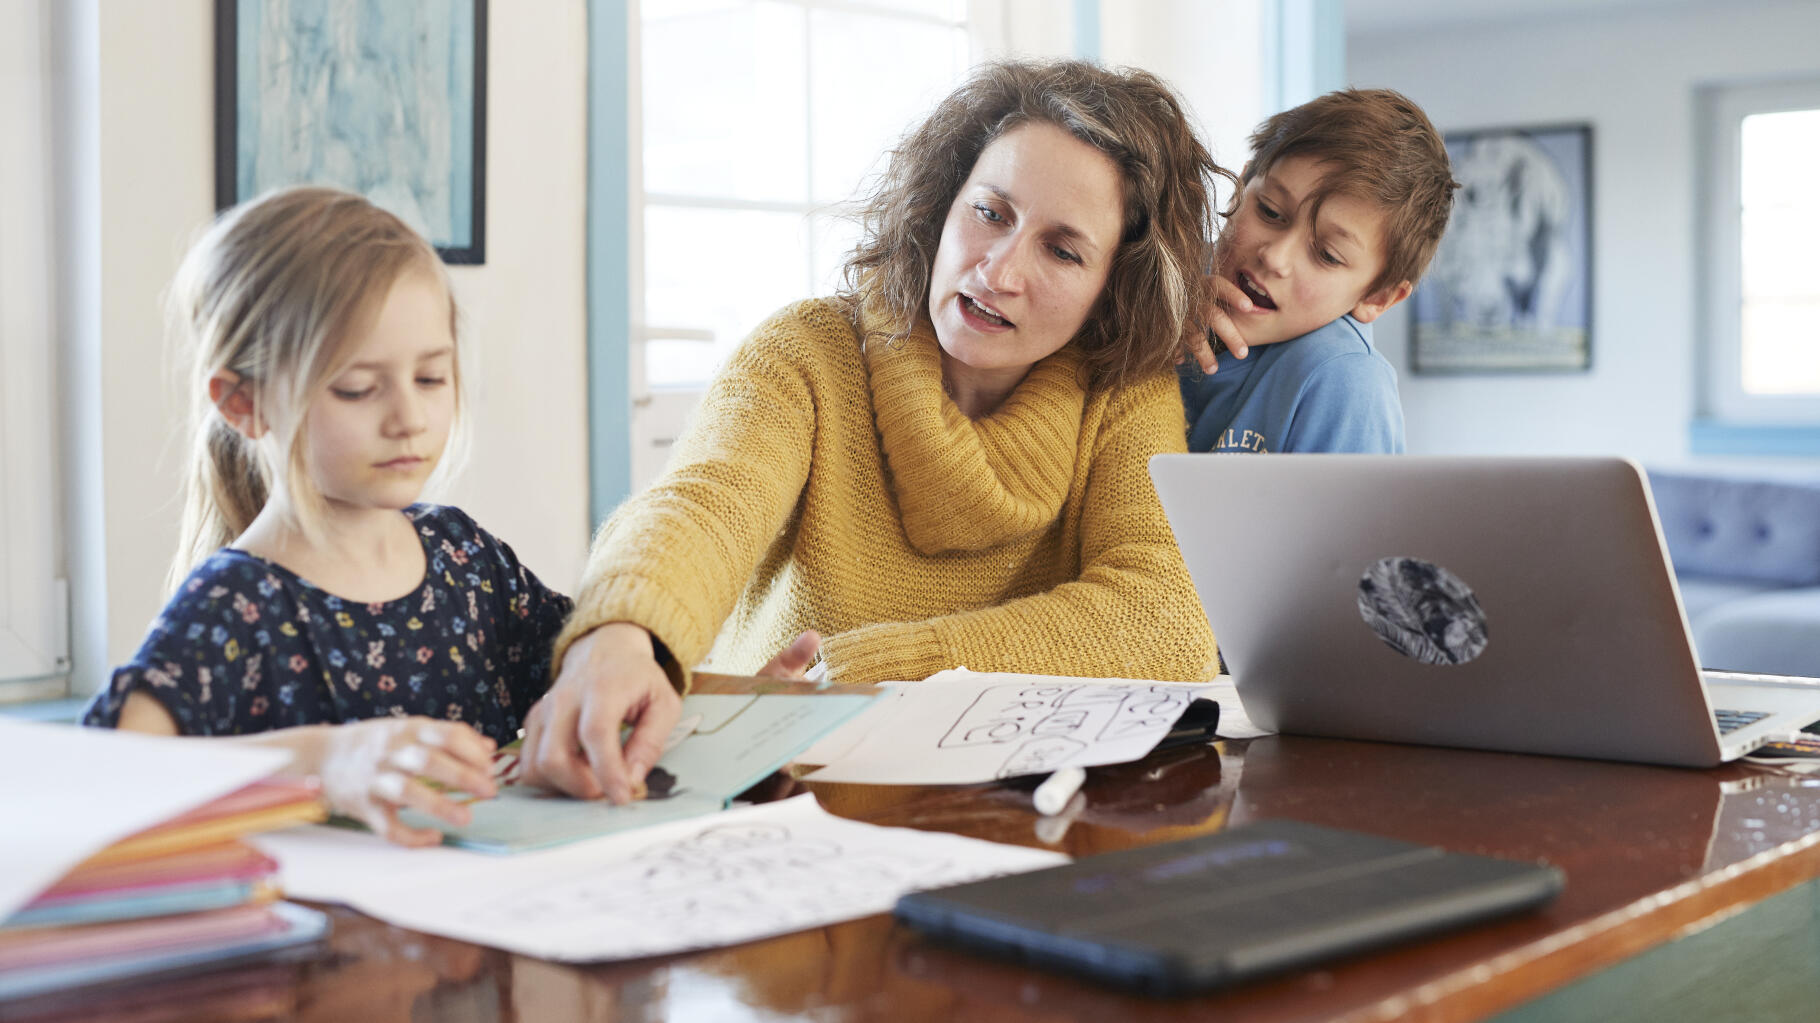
525	309
1633	76
1211	51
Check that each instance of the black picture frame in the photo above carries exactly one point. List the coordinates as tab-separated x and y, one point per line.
1510	289
432	173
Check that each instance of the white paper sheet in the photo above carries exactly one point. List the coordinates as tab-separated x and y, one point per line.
961	727
69	792
735	876
1234	722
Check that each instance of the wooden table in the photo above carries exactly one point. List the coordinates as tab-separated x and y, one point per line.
1652	855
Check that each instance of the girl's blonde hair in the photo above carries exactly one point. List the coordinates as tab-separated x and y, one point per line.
272	292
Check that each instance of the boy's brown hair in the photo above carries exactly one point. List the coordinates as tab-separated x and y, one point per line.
1380	147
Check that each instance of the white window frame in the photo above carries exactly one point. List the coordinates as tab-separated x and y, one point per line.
658	413
1726	107
34	603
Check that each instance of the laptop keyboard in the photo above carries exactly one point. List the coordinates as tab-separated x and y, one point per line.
1732	720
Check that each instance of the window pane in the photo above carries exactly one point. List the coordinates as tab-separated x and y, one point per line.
1782	347
1779	222
952	10
1777	246
832	238
1780	152
723	100
717	270
680	364
857	112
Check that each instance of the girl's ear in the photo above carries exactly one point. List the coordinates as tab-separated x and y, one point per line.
232	397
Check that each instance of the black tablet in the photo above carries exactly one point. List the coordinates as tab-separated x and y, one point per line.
1256	899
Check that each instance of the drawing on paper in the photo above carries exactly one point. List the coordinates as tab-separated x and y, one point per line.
1051	723
725	877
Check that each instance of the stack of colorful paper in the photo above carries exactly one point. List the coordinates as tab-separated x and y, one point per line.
177	896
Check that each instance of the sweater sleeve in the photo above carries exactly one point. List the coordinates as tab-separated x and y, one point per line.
1132	612
675	558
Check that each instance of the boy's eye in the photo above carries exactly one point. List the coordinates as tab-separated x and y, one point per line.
346	394
1330	258
432	381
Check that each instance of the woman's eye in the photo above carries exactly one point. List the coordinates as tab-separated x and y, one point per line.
1064	255
1267	212
988	213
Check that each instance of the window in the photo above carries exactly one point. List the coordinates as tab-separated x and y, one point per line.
756	120
1763	315
33	606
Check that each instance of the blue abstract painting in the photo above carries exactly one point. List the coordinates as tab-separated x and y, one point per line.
381	97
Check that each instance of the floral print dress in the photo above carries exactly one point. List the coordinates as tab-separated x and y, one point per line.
246	645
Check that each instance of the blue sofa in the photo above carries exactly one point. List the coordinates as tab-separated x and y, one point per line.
1746	553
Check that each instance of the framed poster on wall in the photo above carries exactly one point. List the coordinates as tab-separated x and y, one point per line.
383	98
1510	287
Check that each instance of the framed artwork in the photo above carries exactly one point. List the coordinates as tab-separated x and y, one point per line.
1510	287
379	97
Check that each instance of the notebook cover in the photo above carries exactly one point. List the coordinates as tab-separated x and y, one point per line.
289	925
1253	900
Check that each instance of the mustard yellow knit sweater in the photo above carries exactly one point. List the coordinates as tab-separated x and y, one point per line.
829	484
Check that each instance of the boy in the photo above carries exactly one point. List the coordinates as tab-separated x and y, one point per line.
1339	212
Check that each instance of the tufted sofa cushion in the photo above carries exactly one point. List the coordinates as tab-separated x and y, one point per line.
1700	594
1776	633
1759	530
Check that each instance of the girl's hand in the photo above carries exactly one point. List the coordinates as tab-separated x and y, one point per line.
372	769
610	677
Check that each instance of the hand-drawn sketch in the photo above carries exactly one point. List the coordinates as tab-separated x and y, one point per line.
1053	723
961	727
1041	756
743	874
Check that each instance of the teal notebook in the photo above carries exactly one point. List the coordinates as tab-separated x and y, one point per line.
723	746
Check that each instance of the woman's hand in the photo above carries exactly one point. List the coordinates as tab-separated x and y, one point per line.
794	660
610	677
372	769
1197	345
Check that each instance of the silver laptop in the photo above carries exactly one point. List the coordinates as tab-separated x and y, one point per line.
1520	604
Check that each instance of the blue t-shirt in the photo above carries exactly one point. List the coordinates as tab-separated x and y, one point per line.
1326	391
246	645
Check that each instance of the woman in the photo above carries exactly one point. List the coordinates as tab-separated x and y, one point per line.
946	464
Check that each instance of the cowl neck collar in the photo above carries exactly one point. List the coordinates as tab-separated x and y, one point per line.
969	484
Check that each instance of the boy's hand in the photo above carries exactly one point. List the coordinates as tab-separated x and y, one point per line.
1197	342
372	769
609	677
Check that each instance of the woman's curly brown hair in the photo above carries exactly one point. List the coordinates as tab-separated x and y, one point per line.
1156	287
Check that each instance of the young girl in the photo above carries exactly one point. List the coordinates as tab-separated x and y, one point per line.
382	641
